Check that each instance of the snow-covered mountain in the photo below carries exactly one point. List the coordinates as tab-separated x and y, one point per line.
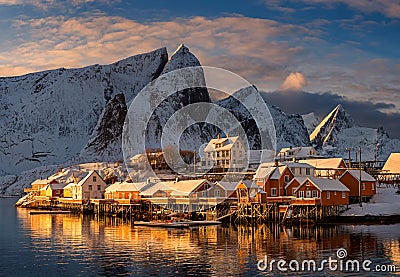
60	117
48	117
310	121
338	132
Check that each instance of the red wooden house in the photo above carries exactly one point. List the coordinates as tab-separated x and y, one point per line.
321	191
273	178
351	179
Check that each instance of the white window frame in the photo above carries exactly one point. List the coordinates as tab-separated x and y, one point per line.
308	171
286	178
217	193
315	194
373	186
363	186
273	192
301	194
328	195
343	194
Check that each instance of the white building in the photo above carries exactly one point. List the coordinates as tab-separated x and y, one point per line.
297	153
92	186
225	153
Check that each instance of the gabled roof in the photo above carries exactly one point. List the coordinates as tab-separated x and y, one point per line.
325	184
186	186
57	186
392	164
297	165
153	188
278	172
264	170
333	163
122	186
356	174
179	188
228	186
90	173
300	180
230	140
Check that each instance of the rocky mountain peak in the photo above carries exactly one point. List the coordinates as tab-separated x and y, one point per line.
335	121
181	58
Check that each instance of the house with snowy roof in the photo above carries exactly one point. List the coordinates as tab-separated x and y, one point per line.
321	191
123	191
351	179
92	186
248	191
54	190
272	178
39	184
225	153
296	153
327	167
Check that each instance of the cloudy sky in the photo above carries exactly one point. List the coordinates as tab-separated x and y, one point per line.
308	54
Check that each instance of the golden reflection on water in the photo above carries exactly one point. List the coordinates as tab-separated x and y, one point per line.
216	250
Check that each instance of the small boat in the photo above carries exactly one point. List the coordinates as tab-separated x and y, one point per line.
49	212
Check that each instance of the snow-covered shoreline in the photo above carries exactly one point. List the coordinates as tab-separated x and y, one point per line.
385	203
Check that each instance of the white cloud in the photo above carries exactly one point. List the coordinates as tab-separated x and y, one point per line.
295	81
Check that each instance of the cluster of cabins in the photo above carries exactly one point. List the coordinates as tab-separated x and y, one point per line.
322	182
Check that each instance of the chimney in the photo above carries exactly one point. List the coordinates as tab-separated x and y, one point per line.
219	136
176	180
276	163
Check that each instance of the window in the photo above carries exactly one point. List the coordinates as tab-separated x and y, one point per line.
98	187
94	178
294	191
90	187
217	193
209	154
328	195
287	178
372	186
363	186
217	154
299	170
334	193
204	193
273	191
308	171
314	194
302	194
294	170
343	194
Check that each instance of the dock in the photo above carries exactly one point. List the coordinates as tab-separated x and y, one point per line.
176	224
49	212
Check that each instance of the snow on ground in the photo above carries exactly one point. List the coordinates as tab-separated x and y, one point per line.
385	202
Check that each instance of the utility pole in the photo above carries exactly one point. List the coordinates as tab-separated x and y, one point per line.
348	149
359	183
194	162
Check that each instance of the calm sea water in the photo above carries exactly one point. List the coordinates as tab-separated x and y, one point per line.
70	245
